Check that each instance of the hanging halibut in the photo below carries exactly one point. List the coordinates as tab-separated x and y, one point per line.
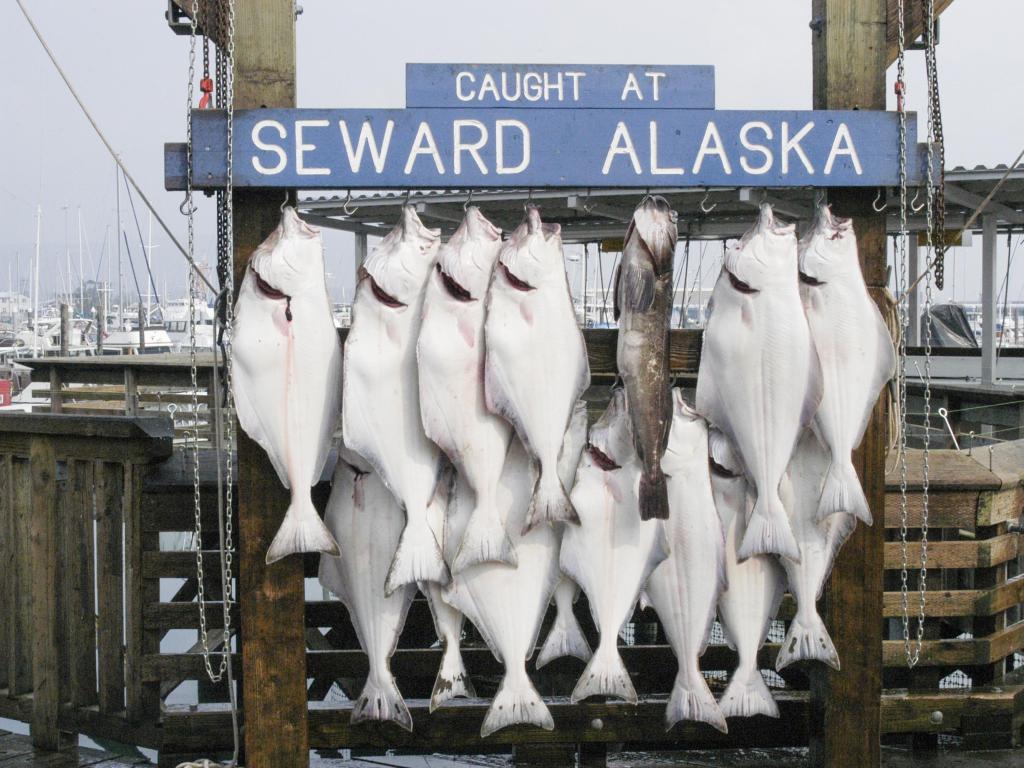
507	604
612	551
759	380
450	352
854	347
754	587
684	589
807	637
536	362
643	308
368	523
381	404
565	638
287	362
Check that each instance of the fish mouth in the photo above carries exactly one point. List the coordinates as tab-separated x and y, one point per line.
273	293
453	288
383	296
601	459
808	280
515	282
739	285
721	471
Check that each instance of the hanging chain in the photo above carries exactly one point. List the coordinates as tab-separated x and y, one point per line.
936	140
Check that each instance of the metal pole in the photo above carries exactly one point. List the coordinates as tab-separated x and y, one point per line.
35	284
988	298
81	275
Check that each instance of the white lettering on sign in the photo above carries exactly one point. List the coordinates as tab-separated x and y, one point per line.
843	145
711	144
378	155
301	147
745	164
459	146
622	144
631	86
282	158
654	77
511	87
424	144
459	93
793	145
499	146
575	77
533	86
657	170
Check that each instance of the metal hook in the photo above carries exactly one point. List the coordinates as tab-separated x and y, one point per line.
944	414
284	203
916	208
707	208
469	201
408	196
878	197
187	208
344	205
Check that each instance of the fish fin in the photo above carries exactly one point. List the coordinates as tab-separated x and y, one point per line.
806	641
484	541
768	531
747	695
842	492
550	503
565	638
381	700
637	284
416	561
516	703
693	702
653	497
839	527
605	675
452	680
302	530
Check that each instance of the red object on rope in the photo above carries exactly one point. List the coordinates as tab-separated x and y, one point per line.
206	86
899	88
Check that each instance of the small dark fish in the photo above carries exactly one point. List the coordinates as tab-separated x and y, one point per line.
643	307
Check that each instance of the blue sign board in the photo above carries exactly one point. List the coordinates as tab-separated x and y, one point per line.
575	86
434	148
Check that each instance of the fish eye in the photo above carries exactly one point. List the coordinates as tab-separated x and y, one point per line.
600	458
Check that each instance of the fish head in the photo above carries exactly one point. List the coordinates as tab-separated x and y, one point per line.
399	265
655	224
610	443
728	480
291	260
764	257
829	249
609	471
532	256
465	262
687	437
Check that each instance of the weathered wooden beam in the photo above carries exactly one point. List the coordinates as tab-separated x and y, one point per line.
849	50
913	16
271	596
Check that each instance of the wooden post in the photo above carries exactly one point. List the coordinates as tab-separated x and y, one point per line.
101	327
849	53
271	597
65	329
142	328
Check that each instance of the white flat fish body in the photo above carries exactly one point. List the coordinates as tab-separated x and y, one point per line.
754	587
684	589
565	638
612	551
368	524
855	349
759	378
287	367
381	404
507	603
807	637
536	361
450	353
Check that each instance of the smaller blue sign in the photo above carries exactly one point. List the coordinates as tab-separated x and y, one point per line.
574	86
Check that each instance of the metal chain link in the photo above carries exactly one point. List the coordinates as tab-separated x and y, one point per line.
936	140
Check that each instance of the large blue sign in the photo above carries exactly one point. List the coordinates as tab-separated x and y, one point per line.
464	147
573	86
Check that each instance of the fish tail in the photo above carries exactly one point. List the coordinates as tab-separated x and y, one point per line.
691	699
381	700
418	558
550	502
565	638
653	497
484	541
302	530
768	531
605	675
747	695
452	680
807	639
842	492
516	701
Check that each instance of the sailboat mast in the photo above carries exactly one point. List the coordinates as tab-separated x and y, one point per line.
81	275
117	226
35	284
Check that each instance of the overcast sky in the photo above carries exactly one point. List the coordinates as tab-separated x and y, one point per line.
131	71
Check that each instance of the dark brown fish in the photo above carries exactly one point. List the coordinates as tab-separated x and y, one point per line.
643	307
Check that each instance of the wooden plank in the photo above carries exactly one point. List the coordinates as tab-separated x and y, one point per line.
1000	507
271	597
8	572
848	53
913	24
46	679
947	470
21	653
957	554
78	589
109	583
947	509
141	700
